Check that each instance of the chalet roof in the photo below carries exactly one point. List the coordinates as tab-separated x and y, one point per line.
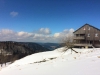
85	25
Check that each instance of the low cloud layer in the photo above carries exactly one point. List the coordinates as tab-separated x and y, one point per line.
13	13
41	35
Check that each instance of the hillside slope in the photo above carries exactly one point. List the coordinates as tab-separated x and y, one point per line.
21	47
10	51
50	46
86	62
35	47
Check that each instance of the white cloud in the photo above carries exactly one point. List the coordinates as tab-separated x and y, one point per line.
13	13
43	35
64	33
25	34
56	35
6	31
7	34
44	31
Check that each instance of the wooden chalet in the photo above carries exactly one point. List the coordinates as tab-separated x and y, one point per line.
86	36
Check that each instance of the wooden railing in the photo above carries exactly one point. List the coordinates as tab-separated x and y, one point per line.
79	37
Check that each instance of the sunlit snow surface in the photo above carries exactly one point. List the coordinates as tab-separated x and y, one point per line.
86	62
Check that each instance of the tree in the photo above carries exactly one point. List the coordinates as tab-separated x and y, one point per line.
68	43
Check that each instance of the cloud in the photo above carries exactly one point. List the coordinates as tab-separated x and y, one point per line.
64	33
42	35
56	35
25	34
7	34
6	31
13	13
44	31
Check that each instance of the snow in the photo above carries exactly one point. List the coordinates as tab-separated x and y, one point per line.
86	62
4	65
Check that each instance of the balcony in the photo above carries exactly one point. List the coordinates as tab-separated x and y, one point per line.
79	37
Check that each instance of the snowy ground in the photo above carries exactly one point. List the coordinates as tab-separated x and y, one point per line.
86	62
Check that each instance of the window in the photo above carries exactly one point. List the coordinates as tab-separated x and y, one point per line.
88	35
84	29
89	28
96	35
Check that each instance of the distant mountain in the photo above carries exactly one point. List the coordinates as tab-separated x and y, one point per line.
35	47
21	47
50	46
9	47
10	51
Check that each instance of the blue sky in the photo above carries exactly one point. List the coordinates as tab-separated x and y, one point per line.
46	18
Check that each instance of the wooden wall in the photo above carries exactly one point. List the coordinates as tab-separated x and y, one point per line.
89	30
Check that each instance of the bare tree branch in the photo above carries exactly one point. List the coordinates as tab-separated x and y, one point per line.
68	43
